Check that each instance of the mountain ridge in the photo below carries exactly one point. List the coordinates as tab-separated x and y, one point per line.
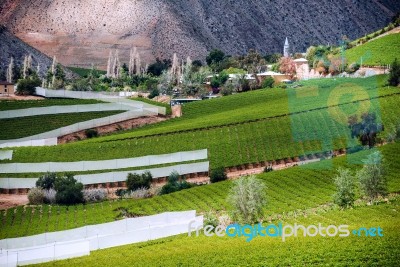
81	33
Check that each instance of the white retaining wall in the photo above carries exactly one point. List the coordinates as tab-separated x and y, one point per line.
111	177
104	164
67	244
6	154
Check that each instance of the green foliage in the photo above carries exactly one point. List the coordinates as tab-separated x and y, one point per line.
380	51
36	196
248	198
28	86
69	190
46	181
353	67
157	67
136	181
84	72
268	82
345	189
366	130
173	184
394	76
90	133
218	175
154	92
214	57
372	178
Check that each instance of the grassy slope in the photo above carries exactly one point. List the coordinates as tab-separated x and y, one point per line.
294	189
26	126
267	139
19	104
376	52
266	251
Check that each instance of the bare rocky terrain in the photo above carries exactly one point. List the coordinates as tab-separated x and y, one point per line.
83	32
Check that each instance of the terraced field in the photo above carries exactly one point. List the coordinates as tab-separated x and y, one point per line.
290	191
27	126
377	52
268	251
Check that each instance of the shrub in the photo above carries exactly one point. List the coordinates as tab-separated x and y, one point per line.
210	218
268	83
28	86
268	168
94	195
353	67
69	190
226	90
247	198
36	196
394	76
345	192
135	181
218	175
154	93
372	176
50	196
90	133
174	184
137	194
47	180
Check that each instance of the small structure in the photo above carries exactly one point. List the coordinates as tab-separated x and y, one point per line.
6	88
302	68
286	52
278	77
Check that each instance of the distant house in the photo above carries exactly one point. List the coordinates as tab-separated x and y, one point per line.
302	68
278	77
6	88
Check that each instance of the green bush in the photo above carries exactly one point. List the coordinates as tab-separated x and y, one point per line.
154	93
90	133
28	86
135	181
218	175
69	190
394	76
268	83
173	184
345	189
46	181
36	196
372	176
247	198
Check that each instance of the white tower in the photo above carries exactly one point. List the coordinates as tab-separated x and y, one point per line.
286	48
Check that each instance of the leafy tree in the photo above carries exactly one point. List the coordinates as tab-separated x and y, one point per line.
69	190
287	66
394	76
46	181
268	82
366	130
345	189
28	85
135	181
372	176
247	198
215	57
218	175
157	67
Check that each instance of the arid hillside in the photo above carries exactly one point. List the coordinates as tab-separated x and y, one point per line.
83	32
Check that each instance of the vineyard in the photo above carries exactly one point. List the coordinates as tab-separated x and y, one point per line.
15	104
27	126
293	190
251	142
377	52
267	251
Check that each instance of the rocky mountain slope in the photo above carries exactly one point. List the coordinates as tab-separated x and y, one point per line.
83	32
11	46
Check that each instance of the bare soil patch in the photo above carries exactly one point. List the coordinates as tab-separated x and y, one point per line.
12	200
114	127
20	97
